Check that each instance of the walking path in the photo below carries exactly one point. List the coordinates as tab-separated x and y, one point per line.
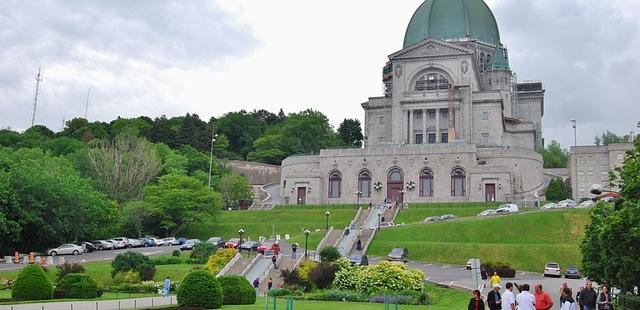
116	304
240	265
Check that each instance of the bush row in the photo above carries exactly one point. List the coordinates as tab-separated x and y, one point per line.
217	261
176	260
405	297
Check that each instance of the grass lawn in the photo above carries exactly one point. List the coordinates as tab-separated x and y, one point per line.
292	220
319	305
419	211
525	241
5	294
101	272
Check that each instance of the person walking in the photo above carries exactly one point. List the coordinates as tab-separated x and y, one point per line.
525	300
294	248
274	259
359	245
588	297
484	275
566	300
476	302
578	298
167	287
604	300
508	300
494	300
495	279
256	285
564	285
269	284
543	300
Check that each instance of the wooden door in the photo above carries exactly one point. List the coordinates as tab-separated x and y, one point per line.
302	195
490	192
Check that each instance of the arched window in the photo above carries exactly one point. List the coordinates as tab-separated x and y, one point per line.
432	81
457	182
426	183
395	176
335	184
364	184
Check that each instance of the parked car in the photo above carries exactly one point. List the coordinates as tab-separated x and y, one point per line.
135	243
158	241
387	224
552	269
572	272
468	265
190	244
398	255
431	219
148	242
488	212
102	245
171	241
360	260
116	244
249	246
88	247
265	246
124	242
217	241
67	248
586	204
549	206
567	203
508	208
181	240
447	217
232	243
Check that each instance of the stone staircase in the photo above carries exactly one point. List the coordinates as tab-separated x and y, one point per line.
239	266
285	263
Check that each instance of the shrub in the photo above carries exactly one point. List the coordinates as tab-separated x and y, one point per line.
291	277
237	290
200	289
306	267
203	250
329	254
144	287
323	275
133	261
404	297
216	262
279	292
385	276
67	268
127	277
176	253
32	284
79	285
336	295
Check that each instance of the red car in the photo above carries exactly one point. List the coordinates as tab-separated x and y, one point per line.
269	246
232	243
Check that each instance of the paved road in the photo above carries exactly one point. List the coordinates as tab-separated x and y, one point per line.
102	255
458	276
132	303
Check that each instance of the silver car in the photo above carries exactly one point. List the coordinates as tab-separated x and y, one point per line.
67	248
171	241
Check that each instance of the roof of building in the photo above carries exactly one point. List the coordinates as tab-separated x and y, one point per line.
452	19
498	61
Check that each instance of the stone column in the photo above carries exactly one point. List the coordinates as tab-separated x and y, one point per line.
412	137
437	125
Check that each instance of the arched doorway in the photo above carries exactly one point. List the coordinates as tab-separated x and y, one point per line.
395	185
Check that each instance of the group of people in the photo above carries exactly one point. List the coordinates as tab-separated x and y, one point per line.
586	298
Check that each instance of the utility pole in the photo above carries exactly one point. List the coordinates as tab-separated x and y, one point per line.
213	140
35	99
86	107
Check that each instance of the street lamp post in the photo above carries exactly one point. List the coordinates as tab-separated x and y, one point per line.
358	194
306	241
575	136
241	233
379	216
402	193
327	215
214	135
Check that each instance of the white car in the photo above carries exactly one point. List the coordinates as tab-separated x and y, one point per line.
117	244
586	204
549	206
123	241
171	241
158	241
508	208
447	217
488	212
67	248
552	269
567	203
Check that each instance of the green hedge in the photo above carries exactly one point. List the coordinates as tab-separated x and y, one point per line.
32	284
133	261
200	289
79	285
237	290
176	260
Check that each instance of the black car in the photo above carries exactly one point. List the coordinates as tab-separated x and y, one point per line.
572	272
88	247
217	241
398	255
360	260
249	246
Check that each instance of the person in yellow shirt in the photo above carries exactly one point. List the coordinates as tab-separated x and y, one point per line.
495	279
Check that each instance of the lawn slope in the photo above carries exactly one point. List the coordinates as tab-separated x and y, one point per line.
526	241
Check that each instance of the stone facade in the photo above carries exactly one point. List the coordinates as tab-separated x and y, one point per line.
590	165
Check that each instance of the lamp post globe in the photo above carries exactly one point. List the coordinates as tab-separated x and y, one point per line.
379	216
306	242
327	215
241	233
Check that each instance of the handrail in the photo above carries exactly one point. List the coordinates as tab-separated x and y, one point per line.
229	265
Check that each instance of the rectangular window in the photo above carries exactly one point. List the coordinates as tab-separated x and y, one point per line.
418	114
444	137
458	187
427	188
419	138
381	120
485	115
432	138
365	186
484	139
432	114
444	114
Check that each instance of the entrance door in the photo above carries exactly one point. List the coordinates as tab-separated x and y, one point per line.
395	185
490	192
302	195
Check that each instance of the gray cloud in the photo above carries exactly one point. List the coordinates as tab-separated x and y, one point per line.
114	47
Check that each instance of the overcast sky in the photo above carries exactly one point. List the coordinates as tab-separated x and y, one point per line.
210	57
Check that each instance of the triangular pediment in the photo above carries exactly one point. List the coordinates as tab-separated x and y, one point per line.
430	48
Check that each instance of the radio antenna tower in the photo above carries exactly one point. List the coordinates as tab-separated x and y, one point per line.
86	107
35	99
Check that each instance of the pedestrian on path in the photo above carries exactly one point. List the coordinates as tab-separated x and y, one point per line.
495	279
269	284
543	300
476	302
566	300
524	299
508	300
359	245
588	297
494	300
578	298
564	285
294	248
274	258
604	300
256	285
167	287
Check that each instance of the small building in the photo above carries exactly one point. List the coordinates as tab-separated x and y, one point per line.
591	164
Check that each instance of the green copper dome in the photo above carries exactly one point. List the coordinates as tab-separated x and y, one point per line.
452	19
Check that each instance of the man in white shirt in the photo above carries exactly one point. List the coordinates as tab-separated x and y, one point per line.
508	300
525	300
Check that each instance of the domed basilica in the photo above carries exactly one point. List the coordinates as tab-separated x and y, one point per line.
453	124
